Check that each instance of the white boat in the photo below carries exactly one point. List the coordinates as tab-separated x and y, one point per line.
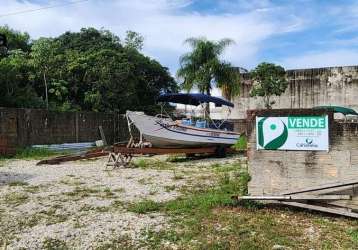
166	133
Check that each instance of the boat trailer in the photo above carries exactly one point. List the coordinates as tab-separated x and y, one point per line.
121	154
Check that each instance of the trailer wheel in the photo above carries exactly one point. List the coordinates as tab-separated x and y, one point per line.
220	152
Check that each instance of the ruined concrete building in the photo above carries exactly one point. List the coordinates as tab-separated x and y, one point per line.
307	88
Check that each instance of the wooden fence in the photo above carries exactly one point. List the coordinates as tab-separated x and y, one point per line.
24	127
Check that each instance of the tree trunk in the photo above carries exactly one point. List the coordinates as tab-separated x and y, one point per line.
267	102
207	106
46	91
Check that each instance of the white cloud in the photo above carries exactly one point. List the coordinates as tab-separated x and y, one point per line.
322	59
164	24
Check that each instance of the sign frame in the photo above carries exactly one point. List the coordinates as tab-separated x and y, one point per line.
294	133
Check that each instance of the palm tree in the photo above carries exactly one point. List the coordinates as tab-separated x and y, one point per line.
202	68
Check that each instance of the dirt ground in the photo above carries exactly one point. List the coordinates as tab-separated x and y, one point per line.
158	203
84	206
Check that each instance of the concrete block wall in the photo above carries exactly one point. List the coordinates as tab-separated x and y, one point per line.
307	88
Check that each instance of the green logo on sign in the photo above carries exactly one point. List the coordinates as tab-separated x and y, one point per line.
277	140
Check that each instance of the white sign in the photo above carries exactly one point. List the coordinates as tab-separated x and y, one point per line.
292	133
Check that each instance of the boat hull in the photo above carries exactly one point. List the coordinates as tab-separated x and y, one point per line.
165	133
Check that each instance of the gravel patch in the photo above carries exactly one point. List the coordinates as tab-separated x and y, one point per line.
82	206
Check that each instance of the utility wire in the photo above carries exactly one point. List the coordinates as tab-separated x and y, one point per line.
43	8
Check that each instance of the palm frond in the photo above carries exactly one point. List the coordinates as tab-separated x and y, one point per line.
194	41
222	44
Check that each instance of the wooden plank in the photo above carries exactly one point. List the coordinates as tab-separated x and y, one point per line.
322	187
65	158
103	137
297	197
339	211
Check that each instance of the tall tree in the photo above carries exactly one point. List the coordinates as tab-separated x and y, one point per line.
134	40
269	79
16	87
87	70
202	67
16	39
42	57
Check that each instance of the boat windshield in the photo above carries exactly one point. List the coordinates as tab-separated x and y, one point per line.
198	116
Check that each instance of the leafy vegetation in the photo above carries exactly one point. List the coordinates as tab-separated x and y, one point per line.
241	143
87	70
269	79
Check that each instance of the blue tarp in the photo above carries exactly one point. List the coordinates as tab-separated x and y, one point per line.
193	99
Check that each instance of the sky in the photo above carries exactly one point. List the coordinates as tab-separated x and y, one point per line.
294	34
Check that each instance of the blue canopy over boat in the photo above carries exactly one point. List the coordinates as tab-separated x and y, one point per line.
193	99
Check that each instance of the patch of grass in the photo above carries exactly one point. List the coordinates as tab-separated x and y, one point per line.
71	182
82	192
153	191
207	218
123	242
177	158
33	188
29	221
169	188
177	176
118	204
145	181
353	233
17	183
33	154
241	143
54	244
144	207
119	190
221	168
153	164
16	198
101	209
108	193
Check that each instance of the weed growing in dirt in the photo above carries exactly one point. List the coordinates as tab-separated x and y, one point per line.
177	176
33	188
122	242
221	168
15	198
52	243
153	164
353	232
177	158
119	190
17	183
143	207
169	188
108	193
81	192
